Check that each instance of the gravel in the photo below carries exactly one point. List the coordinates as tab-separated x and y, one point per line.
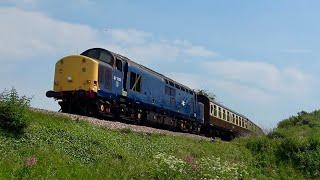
119	125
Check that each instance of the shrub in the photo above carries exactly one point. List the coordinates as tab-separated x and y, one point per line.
12	111
304	153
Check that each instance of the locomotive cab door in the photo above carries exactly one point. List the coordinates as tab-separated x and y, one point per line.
118	77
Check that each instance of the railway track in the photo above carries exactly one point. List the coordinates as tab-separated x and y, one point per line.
116	125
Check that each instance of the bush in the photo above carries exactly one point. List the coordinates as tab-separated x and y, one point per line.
304	153
12	111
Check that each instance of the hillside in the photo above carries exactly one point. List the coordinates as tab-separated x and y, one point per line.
51	147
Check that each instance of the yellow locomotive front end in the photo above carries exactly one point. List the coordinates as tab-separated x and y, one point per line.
75	83
74	73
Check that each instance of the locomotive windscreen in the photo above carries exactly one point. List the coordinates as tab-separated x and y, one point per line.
99	54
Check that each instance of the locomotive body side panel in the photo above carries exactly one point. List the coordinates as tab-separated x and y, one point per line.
150	89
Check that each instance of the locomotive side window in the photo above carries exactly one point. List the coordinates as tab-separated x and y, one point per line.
170	91
167	90
135	82
119	65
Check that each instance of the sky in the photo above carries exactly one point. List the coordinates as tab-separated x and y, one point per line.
260	58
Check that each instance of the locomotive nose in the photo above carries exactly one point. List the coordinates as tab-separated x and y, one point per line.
76	72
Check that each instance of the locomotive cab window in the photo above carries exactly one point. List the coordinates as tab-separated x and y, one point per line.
135	82
119	64
99	54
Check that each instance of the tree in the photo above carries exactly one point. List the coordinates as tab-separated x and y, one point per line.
207	93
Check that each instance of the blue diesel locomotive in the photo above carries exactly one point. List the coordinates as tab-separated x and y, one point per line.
102	83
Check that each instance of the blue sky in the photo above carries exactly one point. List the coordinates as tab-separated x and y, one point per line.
261	58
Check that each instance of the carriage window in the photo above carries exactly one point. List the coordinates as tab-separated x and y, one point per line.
135	82
119	65
171	83
215	110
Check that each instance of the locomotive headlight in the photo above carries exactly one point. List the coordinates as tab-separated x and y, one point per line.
69	78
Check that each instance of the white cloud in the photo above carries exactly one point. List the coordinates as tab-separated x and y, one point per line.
266	77
264	92
145	47
26	34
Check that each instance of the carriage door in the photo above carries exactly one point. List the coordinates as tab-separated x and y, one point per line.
118	77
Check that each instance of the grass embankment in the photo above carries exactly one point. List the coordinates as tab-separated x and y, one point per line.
52	147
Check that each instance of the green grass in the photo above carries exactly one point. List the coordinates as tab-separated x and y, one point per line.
54	147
